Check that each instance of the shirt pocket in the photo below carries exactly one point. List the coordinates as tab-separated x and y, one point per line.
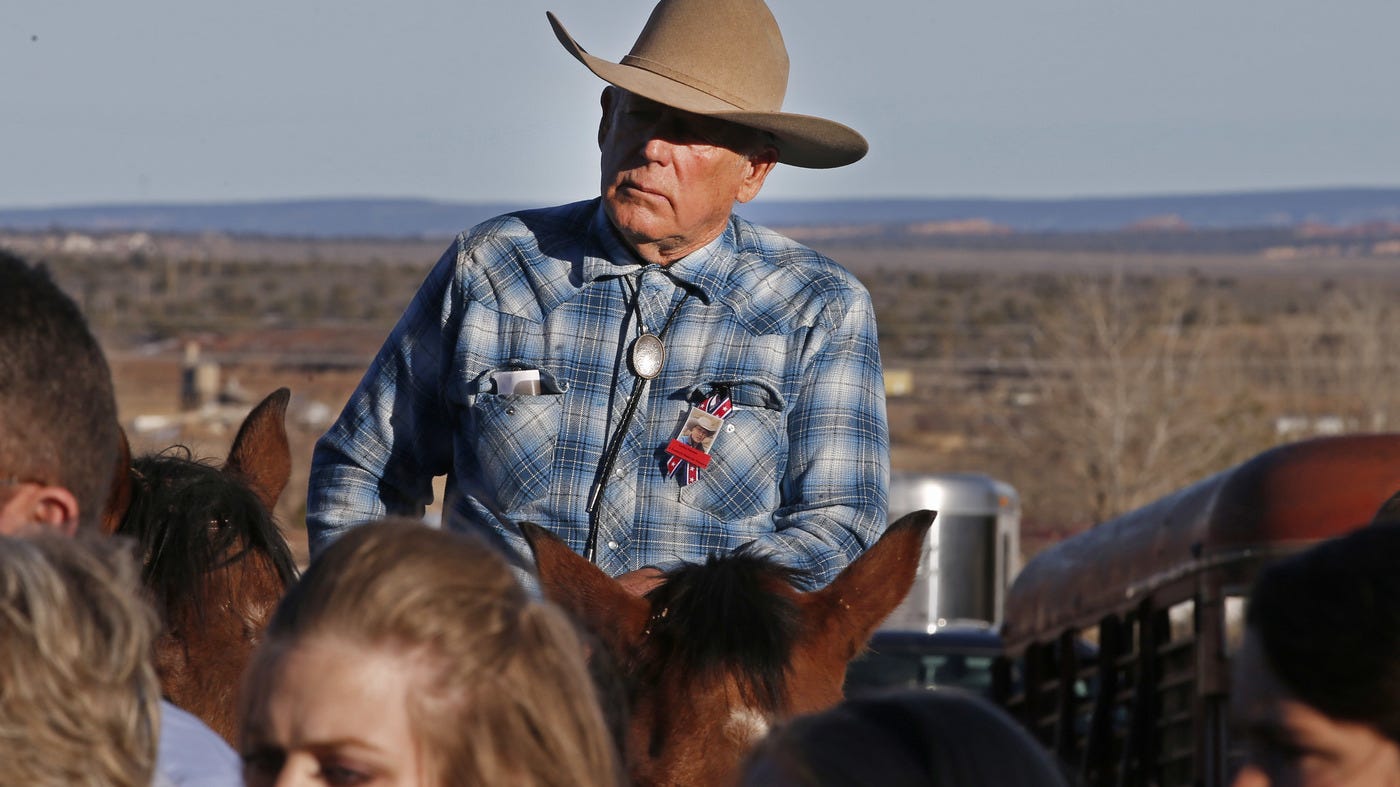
742	479
513	440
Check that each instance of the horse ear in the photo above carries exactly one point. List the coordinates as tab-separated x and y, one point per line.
596	600
119	499
845	613
260	452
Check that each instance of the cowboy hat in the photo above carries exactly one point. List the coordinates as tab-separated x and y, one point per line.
709	423
724	59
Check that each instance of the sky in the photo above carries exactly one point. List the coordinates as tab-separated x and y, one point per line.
201	101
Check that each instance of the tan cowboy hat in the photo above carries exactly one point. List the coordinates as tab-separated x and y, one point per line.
705	421
724	59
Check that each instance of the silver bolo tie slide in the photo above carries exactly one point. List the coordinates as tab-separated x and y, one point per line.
648	356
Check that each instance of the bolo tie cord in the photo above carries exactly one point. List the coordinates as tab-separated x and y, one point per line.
615	445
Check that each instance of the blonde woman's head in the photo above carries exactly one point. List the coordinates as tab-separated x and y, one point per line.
412	655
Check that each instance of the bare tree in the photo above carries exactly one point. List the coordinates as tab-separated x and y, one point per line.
1135	396
1361	340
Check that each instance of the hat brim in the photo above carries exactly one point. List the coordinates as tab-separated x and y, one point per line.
802	140
707	422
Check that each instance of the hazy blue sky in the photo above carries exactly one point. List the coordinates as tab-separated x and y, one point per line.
200	100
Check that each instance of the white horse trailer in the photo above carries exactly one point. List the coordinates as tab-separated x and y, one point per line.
972	553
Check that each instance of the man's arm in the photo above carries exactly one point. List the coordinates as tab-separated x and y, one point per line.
395	433
835	491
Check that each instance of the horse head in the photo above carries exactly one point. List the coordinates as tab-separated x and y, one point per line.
721	650
214	559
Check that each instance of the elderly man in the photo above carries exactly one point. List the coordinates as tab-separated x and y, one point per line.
59	453
552	358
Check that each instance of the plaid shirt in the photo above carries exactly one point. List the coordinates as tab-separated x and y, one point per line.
799	470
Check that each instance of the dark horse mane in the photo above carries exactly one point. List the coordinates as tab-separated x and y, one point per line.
723	615
191	518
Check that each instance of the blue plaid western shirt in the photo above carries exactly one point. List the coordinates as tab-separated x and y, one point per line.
799	470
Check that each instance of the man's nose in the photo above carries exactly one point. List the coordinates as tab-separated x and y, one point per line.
659	148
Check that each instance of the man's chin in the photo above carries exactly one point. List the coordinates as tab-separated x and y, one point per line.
636	223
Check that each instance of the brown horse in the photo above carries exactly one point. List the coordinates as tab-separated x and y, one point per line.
721	650
214	559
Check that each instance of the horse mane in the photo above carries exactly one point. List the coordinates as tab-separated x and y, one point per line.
191	518
725	615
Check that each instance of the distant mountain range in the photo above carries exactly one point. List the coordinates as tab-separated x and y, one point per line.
408	218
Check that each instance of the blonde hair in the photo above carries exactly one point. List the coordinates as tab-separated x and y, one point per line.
79	698
505	695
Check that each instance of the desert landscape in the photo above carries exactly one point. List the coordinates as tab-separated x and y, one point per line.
1094	372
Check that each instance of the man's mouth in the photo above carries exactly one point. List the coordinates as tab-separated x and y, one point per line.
634	186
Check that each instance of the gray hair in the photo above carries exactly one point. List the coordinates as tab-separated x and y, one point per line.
79	697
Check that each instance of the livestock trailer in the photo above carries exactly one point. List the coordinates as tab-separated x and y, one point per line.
1146	609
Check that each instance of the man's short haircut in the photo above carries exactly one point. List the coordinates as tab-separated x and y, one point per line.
58	413
81	701
1328	619
916	736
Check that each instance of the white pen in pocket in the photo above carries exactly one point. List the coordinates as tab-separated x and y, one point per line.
520	381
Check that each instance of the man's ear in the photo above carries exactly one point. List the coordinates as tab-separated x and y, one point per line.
758	166
53	508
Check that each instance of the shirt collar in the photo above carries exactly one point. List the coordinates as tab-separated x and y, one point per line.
703	270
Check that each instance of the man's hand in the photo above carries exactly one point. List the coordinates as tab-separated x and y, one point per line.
642	581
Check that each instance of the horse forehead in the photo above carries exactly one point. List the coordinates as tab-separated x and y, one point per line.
746	725
714	700
249	587
255	579
697	736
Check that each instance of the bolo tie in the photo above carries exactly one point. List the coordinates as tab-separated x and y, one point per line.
645	358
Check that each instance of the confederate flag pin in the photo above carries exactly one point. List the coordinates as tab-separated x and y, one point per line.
691	448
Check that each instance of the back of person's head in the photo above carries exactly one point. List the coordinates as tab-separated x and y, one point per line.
58	415
1328	621
79	698
502	696
917	737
